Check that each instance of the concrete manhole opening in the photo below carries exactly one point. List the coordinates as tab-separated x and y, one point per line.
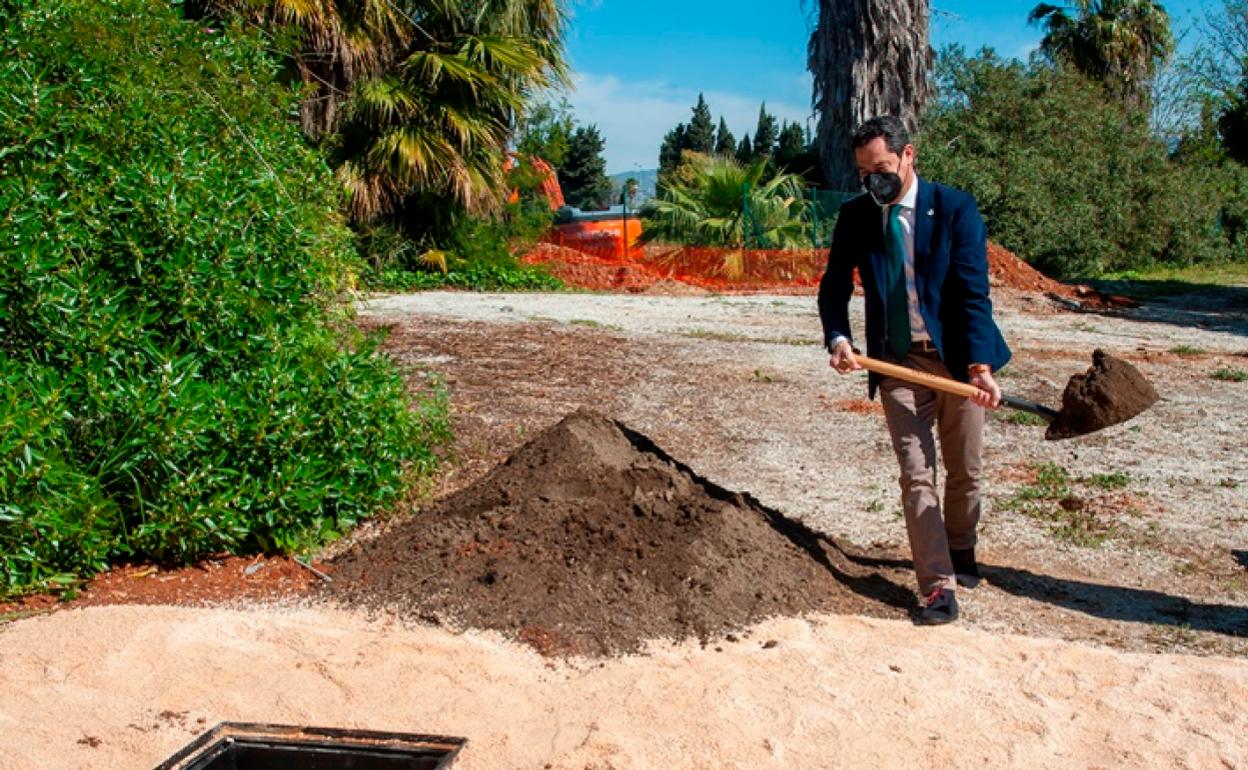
236	746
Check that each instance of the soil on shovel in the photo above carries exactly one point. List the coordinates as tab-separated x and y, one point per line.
591	540
1110	392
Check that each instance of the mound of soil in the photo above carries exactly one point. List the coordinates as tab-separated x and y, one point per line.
591	540
654	271
581	270
1112	391
1005	268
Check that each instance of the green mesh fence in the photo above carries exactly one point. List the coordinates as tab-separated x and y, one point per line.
818	218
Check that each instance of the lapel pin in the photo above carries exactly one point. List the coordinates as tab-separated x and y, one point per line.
931	212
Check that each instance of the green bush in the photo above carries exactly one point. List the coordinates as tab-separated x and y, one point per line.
474	252
177	376
1071	181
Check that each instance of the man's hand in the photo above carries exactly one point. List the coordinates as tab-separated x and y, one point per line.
989	395
842	359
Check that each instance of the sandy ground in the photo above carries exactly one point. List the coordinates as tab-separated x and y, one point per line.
1126	652
124	687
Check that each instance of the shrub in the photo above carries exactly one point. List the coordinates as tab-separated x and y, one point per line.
1068	178
177	378
716	201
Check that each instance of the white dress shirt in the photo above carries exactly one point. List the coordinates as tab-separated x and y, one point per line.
918	329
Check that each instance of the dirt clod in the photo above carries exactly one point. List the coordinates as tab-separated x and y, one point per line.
1110	392
590	539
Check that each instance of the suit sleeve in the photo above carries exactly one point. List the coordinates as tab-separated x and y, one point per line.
968	260
837	284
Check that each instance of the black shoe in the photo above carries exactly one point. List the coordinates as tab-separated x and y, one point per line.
965	570
941	606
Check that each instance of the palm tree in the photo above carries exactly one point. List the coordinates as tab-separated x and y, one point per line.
1120	43
868	58
418	98
339	43
707	207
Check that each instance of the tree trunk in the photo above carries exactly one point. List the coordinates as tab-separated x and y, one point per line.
869	58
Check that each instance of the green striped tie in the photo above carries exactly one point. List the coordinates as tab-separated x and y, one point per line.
897	305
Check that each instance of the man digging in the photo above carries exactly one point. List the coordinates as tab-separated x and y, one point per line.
921	251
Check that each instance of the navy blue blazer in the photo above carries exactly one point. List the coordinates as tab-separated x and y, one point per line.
951	278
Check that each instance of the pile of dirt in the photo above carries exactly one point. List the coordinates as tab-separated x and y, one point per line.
581	270
591	540
1110	392
1005	268
664	270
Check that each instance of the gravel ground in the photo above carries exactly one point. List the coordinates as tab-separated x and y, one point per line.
1146	549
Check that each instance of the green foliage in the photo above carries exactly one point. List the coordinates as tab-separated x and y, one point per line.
1230	374
478	276
583	175
1073	182
1118	43
174	379
1019	417
725	142
745	150
477	253
1115	480
1050	499
546	132
674	143
701	133
766	133
706	206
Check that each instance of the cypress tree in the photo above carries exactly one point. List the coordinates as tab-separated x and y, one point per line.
700	136
584	175
669	151
725	142
791	147
766	134
745	150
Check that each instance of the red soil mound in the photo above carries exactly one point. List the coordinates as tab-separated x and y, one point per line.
764	270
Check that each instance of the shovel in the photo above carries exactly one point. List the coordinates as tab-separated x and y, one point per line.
1112	391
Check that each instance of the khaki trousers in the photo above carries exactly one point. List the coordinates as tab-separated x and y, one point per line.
912	411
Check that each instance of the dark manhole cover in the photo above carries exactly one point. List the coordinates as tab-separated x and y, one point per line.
236	746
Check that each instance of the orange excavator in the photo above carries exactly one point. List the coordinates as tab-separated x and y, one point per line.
610	234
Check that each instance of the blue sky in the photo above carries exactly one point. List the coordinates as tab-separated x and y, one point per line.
639	65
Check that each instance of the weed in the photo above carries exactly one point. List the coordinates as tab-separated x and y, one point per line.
1187	350
1180	635
1115	480
1230	374
761	376
709	334
1228	483
1049	499
1019	417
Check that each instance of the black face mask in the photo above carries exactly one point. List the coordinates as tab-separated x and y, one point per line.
883	187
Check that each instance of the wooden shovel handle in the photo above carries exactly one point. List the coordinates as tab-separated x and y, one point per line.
932	381
947	385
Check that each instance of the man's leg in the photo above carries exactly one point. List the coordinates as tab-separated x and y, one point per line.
911	411
961	427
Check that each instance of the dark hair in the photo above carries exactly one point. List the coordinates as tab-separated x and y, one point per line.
896	137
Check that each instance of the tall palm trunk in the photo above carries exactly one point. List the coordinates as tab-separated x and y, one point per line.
869	58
